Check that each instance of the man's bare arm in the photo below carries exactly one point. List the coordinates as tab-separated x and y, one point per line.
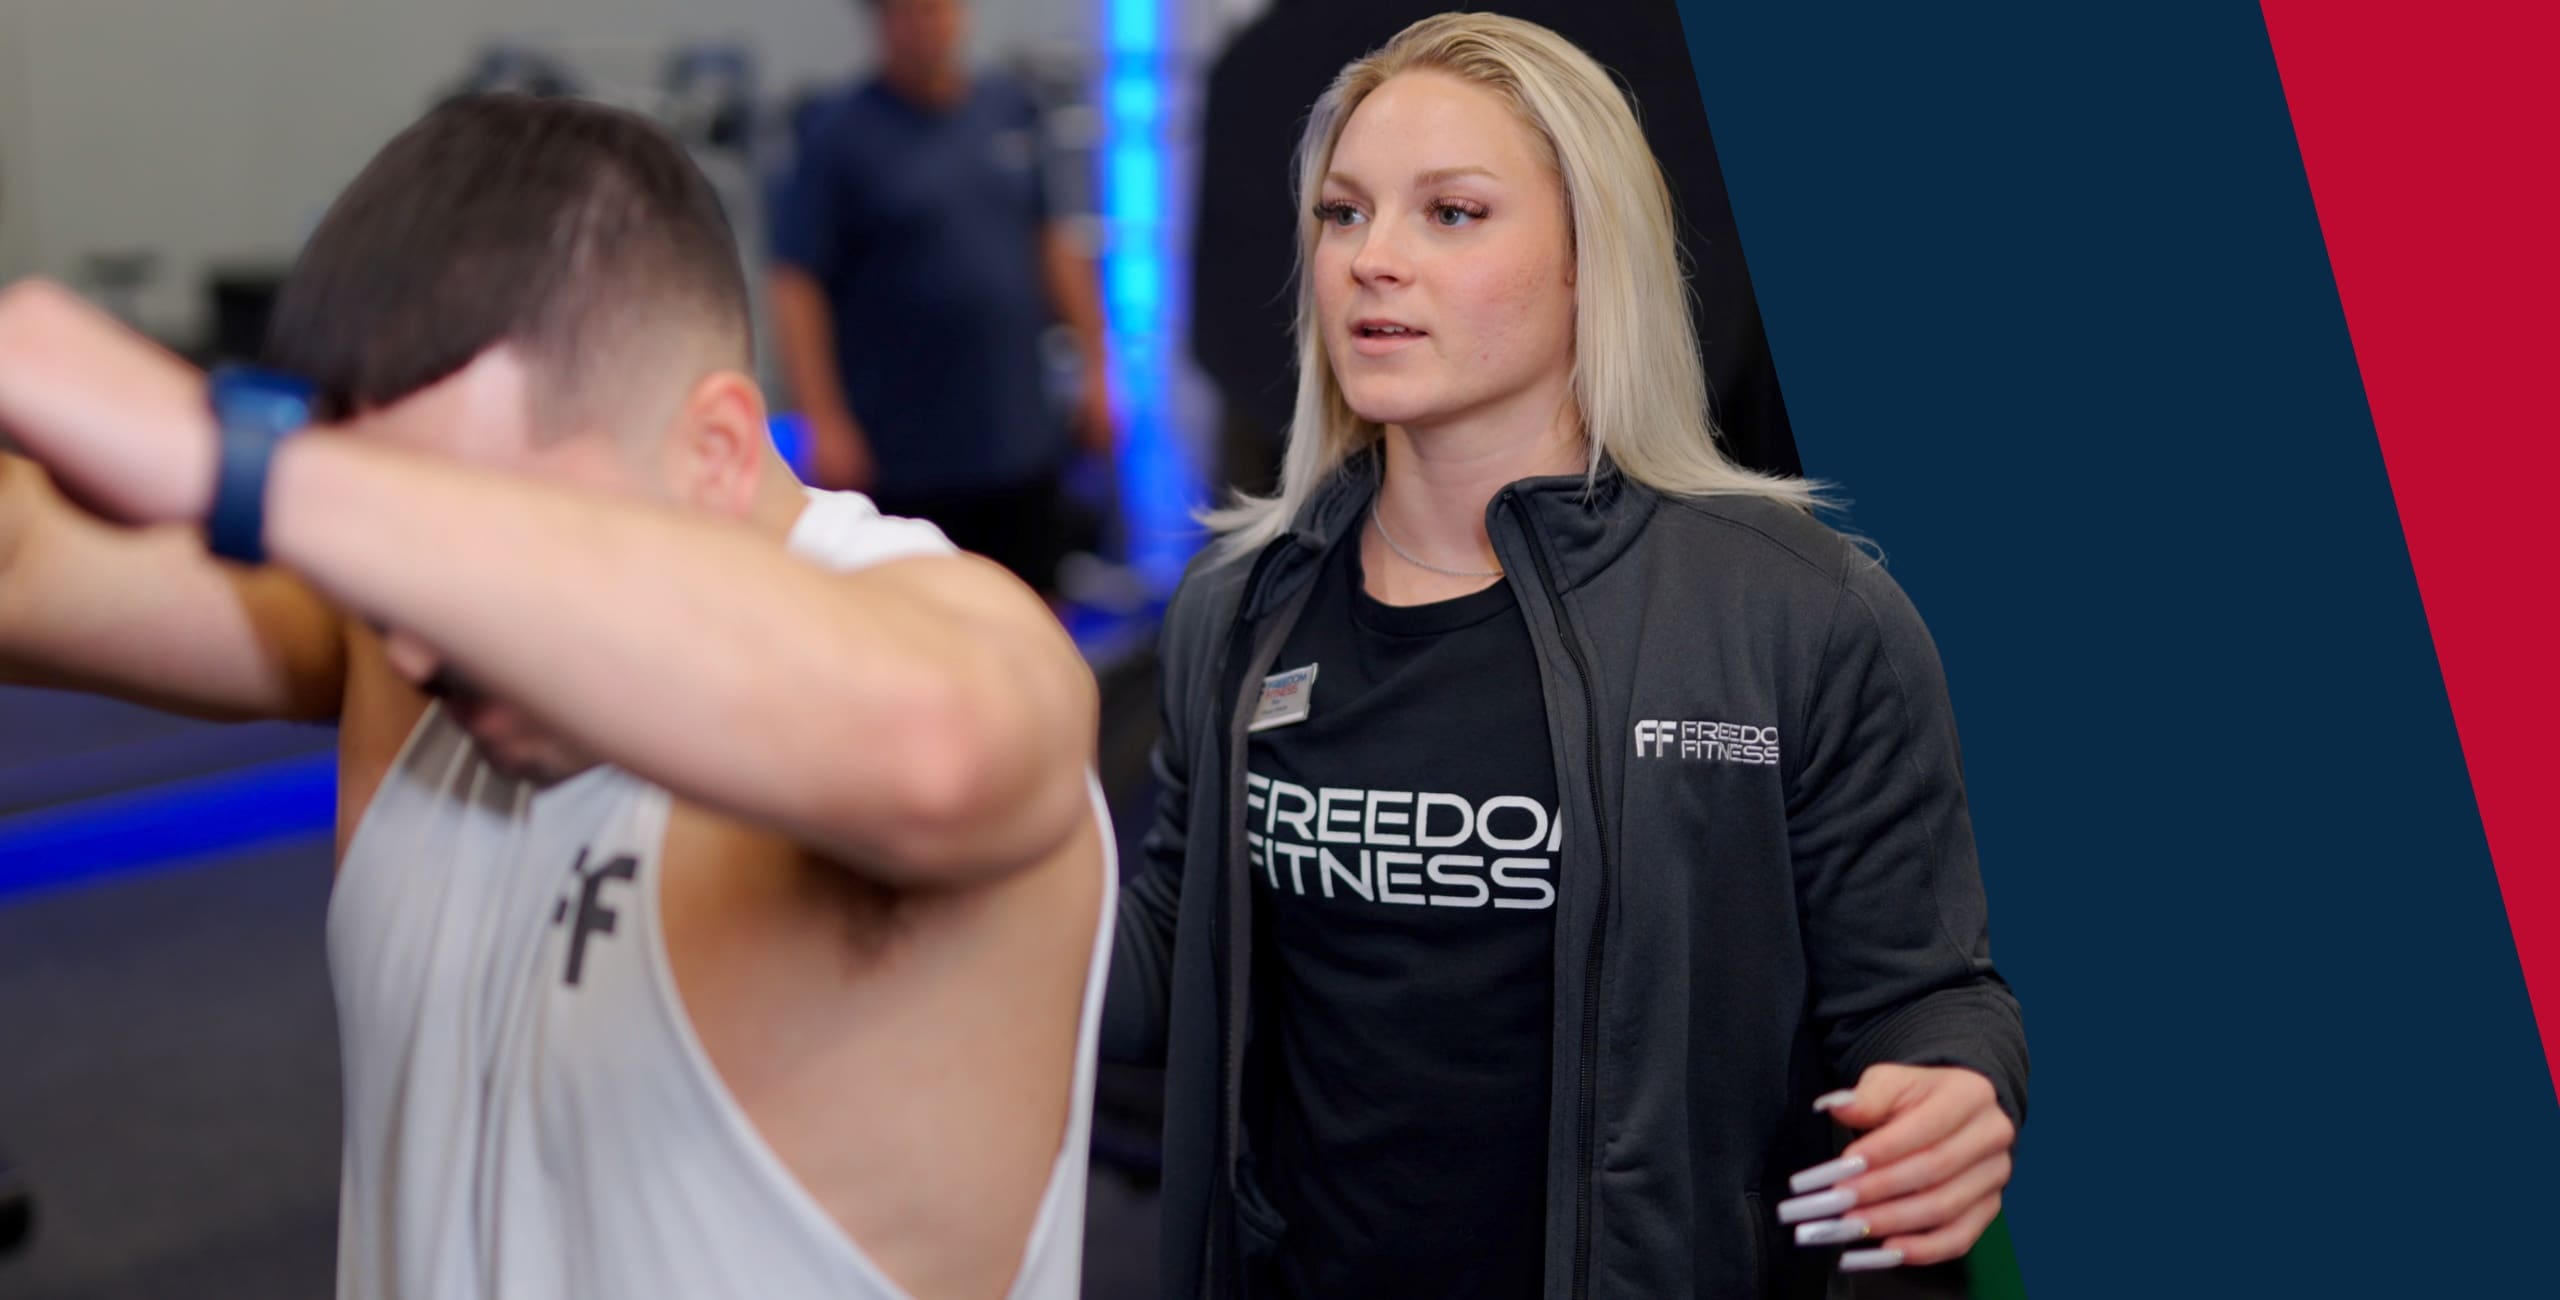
148	615
926	720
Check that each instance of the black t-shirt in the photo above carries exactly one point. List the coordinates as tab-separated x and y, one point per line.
1405	848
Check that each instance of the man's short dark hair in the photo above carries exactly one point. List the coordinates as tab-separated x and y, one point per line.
561	227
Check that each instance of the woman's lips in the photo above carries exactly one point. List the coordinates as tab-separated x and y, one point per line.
1379	337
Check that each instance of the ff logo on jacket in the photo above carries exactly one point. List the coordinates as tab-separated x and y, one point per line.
1710	742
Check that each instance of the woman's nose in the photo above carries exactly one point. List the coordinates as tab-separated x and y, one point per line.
1379	259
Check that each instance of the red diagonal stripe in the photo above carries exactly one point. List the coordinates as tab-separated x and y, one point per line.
2431	135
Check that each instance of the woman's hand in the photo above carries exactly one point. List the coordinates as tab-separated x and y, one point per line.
1923	1184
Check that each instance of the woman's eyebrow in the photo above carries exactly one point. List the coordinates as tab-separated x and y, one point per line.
1421	180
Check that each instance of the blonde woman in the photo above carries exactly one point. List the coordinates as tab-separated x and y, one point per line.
1563	846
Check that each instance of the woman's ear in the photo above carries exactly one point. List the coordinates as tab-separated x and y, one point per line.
718	447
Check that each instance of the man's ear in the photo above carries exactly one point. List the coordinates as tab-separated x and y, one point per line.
718	447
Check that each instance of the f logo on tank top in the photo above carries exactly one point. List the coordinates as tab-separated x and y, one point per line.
591	916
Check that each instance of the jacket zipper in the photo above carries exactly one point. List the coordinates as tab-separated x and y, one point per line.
1220	1262
1588	1099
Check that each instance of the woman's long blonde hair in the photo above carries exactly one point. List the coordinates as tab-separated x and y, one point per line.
1637	380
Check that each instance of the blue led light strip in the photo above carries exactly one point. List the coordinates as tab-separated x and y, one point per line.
1142	283
164	824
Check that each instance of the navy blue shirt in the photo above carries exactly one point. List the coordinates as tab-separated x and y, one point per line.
922	226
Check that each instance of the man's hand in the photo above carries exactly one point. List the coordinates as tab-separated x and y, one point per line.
1075	293
1097	427
121	425
1925	1180
840	455
124	436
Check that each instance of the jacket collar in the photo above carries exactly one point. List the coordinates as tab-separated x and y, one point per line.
1587	524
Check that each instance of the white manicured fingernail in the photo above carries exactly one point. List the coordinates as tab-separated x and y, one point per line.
1829	1172
1834	1100
1820	1205
1862	1261
1831	1232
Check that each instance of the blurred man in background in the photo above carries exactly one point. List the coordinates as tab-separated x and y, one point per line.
916	267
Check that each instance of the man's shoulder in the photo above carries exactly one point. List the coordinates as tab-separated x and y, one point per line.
846	111
847	530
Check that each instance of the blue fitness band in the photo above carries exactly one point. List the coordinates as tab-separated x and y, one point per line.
255	410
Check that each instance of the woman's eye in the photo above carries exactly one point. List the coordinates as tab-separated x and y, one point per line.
1337	214
1455	214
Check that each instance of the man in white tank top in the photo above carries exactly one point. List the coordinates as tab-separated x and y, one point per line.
723	892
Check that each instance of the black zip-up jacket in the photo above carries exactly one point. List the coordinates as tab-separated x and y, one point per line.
1737	930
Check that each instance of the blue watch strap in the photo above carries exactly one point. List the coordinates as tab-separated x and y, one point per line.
255	410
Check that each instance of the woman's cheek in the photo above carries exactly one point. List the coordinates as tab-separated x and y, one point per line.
1510	305
1335	285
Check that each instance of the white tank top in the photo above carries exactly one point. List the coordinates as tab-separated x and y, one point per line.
528	1111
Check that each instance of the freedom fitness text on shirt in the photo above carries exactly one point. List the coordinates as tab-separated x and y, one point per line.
1402	846
1426	848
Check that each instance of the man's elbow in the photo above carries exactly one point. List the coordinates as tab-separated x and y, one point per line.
981	795
32	309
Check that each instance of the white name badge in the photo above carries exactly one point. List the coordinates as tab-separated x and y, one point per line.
1286	697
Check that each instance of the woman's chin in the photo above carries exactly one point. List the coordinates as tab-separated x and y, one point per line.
1407	409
